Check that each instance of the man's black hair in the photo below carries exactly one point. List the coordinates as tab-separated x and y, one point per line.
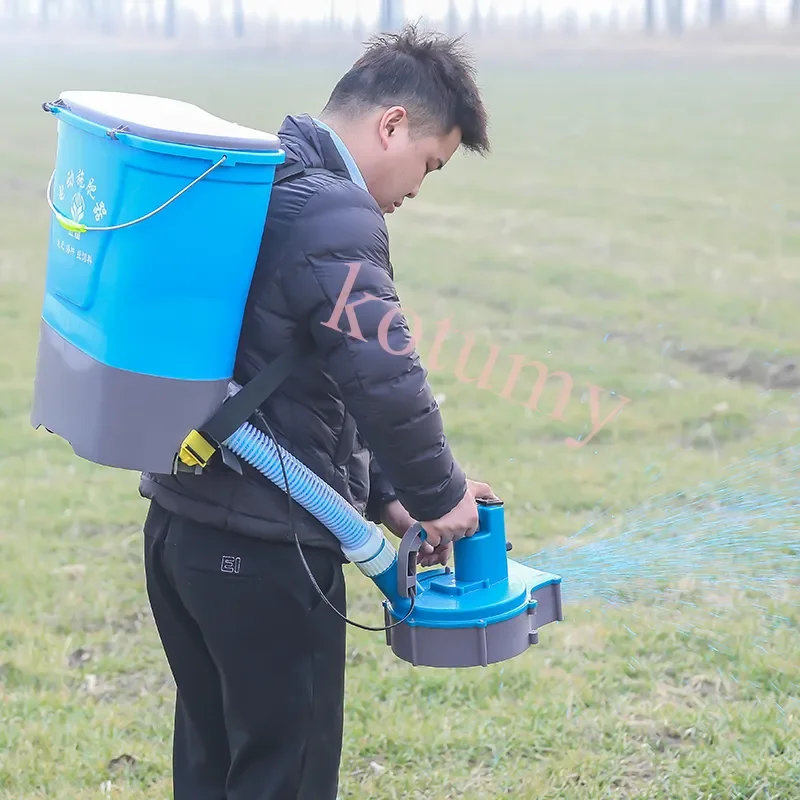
428	74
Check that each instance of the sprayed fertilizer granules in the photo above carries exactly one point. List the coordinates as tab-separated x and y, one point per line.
717	566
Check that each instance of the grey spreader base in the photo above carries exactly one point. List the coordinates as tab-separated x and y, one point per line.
476	646
114	417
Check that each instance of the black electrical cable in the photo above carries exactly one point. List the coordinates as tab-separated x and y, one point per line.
303	559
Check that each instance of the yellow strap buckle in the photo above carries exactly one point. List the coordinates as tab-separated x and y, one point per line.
196	450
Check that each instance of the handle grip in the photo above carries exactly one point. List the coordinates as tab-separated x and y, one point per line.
407	557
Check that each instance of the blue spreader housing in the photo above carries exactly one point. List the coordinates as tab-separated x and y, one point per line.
487	609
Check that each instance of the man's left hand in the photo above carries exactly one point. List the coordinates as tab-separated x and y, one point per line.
398	521
396	518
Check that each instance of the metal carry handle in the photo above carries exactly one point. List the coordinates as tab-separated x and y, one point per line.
77	227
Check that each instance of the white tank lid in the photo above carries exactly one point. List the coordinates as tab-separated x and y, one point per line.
165	120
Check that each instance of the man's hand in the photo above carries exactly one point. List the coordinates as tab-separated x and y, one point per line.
462	520
429	555
398	521
459	522
481	491
396	518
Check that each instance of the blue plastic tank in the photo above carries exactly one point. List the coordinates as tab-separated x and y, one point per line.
158	212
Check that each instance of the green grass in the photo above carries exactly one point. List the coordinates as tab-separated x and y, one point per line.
627	212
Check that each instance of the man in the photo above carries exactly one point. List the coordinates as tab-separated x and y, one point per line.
257	656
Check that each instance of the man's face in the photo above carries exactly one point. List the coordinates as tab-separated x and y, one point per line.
402	159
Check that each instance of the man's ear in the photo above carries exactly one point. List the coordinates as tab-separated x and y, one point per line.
391	122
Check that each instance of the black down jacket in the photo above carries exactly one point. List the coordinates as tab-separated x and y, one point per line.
359	412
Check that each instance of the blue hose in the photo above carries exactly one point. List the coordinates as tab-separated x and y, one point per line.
362	542
316	496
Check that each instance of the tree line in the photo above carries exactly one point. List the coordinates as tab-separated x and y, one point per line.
112	15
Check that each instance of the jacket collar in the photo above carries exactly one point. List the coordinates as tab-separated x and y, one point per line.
347	157
312	145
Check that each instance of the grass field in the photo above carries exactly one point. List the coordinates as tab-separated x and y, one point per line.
638	227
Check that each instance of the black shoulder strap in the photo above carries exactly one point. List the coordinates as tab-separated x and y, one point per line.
240	407
237	409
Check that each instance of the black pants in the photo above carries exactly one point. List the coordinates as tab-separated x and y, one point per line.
258	659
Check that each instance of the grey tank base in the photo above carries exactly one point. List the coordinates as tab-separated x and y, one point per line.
477	646
113	417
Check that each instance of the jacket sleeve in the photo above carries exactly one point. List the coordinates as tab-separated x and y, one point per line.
345	295
381	491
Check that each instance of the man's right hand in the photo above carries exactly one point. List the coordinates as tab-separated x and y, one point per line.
461	521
